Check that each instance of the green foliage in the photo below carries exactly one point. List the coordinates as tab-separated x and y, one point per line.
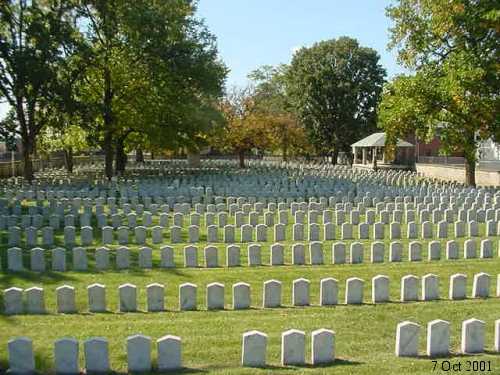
164	76
453	45
334	87
37	41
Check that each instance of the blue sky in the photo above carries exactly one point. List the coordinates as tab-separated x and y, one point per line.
252	33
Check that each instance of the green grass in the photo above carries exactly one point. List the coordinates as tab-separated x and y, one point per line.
211	341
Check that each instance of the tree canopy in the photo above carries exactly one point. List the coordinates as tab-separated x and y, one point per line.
334	87
453	48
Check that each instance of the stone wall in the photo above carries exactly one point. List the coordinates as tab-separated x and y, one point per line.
457	173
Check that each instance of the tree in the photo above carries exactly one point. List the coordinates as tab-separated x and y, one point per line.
453	48
245	128
37	41
272	102
153	70
334	87
69	139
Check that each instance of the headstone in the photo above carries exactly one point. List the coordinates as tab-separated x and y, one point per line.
293	347
241	296
66	357
407	337
415	251
472	336
380	289
298	254
272	294
138	353
322	347
21	358
169	353
300	292
167	257
187	296
96	298
254	255
430	287
254	349
128	297
338	253
481	285
409	288
96	355
233	256
13	301
451	250
215	296
59	259
80	261
35	302
354	291
356	252
155	297
458	286
277	255
190	256
66	299
438	338
377	252
328	292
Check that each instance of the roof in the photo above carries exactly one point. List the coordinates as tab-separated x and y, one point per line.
378	140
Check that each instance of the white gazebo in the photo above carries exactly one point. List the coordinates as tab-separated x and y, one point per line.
372	152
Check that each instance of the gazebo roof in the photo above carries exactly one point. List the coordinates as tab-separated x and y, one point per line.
378	140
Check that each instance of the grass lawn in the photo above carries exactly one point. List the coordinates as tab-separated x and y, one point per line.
211	341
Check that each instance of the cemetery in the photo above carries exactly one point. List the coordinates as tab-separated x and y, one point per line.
309	264
249	187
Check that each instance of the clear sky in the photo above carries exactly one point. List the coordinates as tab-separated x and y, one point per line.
252	33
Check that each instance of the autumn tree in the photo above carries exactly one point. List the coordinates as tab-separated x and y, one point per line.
453	48
334	87
273	104
245	127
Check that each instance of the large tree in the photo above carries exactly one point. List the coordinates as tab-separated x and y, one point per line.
153	70
453	46
272	102
334	87
37	42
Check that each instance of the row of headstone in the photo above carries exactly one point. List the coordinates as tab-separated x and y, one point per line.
249	233
34	301
293	351
300	256
96	355
438	338
343	214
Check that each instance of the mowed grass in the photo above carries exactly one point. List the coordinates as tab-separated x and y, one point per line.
211	340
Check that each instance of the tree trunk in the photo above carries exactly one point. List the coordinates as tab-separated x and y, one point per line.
335	155
121	158
68	159
470	171
152	155
27	162
139	156
108	124
241	156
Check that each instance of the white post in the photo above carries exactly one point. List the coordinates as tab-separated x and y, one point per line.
364	155
13	163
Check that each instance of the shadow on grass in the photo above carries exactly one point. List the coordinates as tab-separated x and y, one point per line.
8	278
